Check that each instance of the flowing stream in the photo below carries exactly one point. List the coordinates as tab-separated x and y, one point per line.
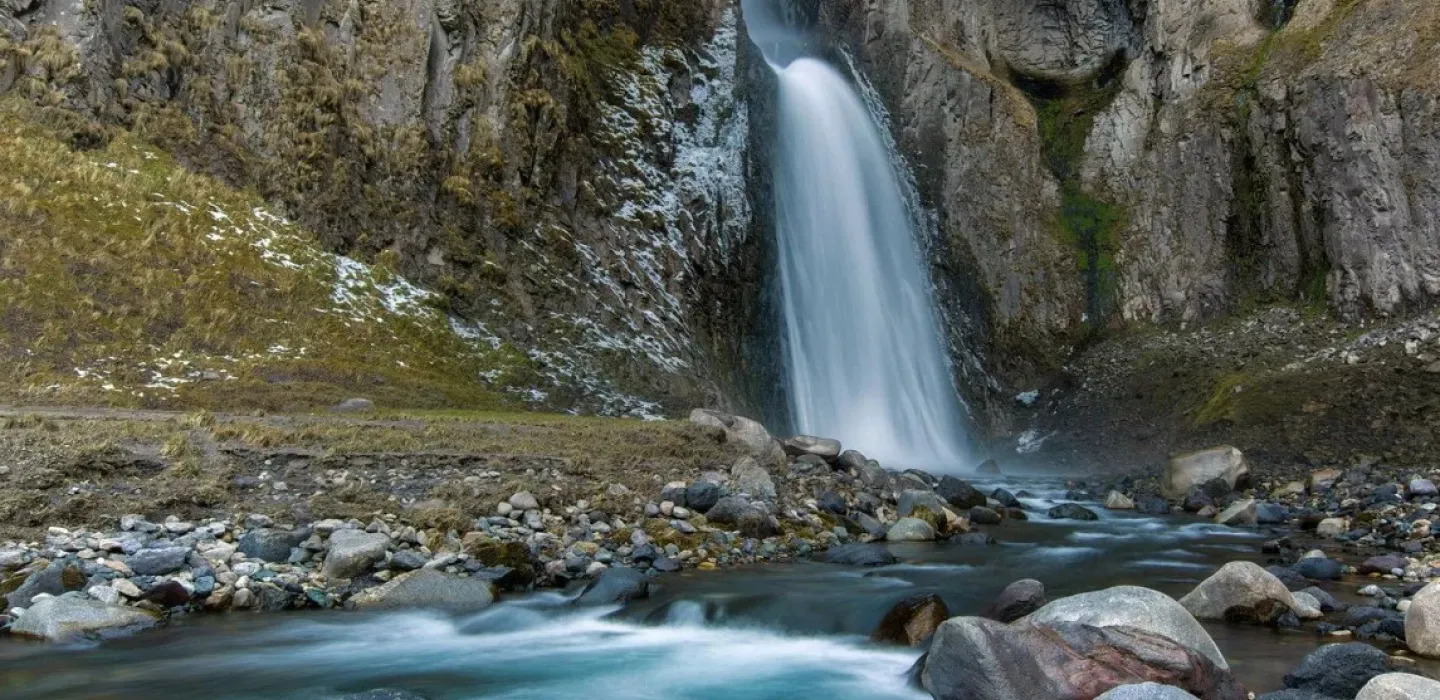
773	632
865	353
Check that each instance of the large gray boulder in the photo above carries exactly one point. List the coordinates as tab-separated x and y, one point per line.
1017	600
158	561
428	588
1338	670
750	478
70	619
271	545
910	530
1240	591
824	448
1400	686
912	499
746	433
1195	469
615	586
974	658
1422	622
1146	691
1133	606
352	553
56	578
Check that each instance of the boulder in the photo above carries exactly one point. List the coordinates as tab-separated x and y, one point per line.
71	619
158	561
1400	686
1197	468
912	621
615	586
1421	488
910	530
428	588
1152	505
524	501
859	555
1118	501
352	553
824	448
1323	479
1019	599
1005	498
1307	607
746	433
1071	511
980	515
56	578
1240	591
973	658
912	500
1146	691
1238	514
1318	568
1332	527
1338	670
1133	606
1327	602
750	478
701	496
271	545
1271	514
959	493
728	510
1422	622
989	466
1287	576
1383	564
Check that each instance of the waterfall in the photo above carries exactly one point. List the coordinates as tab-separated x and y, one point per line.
865	357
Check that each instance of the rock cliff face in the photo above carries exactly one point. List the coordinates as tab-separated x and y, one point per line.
568	174
1103	162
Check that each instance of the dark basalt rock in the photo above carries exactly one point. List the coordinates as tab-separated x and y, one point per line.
859	555
1017	600
959	493
1338	670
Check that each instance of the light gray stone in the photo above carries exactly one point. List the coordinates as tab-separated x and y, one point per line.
69	619
910	530
1241	513
750	478
1239	584
428	588
1197	468
1422	622
352	553
1133	606
1400	686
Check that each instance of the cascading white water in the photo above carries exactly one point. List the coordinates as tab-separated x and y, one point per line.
865	356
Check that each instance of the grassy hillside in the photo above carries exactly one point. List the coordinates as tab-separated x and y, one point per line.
128	280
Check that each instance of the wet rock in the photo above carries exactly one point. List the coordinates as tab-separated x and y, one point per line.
1271	514
1196	501
703	495
1318	569
1197	468
1118	501
1152	505
750	478
1400	686
1017	600
1338	670
1307	607
70	619
959	493
1005	498
271	545
1327	602
972	539
431	589
1383	564
1071	511
1240	591
978	659
910	530
1146	691
911	622
615	586
859	555
159	561
1289	577
980	515
1238	514
1422	622
352	553
824	448
1133	606
868	524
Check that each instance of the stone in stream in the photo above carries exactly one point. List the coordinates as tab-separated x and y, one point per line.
1318	569
1271	514
1118	501
1146	691
1289	577
975	658
1400	686
615	586
912	621
868	524
1133	606
980	515
1152	505
1422	622
910	530
959	493
1071	511
824	448
1240	591
1327	602
1383	564
859	555
1338	670
1197	468
1238	514
1005	498
1017	600
352	553
912	500
71	619
428	588
1307	607
158	561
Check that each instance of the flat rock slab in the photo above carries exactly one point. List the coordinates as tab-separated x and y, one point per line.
71	619
428	588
